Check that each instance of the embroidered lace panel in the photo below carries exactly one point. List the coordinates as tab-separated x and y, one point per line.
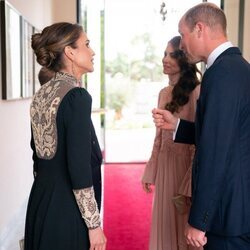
85	199
43	111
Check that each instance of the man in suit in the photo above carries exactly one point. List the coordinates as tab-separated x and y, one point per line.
220	212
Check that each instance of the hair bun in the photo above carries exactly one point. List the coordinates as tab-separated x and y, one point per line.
44	56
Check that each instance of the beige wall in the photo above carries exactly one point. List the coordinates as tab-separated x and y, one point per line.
15	154
246	41
37	12
44	12
231	10
64	10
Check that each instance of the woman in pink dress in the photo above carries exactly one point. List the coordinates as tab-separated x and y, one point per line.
169	167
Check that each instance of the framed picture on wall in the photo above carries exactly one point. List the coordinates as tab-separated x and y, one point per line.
18	70
27	60
10	52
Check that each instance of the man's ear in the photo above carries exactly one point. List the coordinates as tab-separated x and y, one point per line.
199	28
69	52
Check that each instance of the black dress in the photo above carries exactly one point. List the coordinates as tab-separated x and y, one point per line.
66	157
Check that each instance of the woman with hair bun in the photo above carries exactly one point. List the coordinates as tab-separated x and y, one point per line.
169	167
64	203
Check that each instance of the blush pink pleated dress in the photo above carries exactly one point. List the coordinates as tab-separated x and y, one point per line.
169	169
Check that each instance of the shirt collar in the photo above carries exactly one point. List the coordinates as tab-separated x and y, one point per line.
216	52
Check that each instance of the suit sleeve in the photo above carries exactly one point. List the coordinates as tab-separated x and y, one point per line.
185	132
219	128
78	138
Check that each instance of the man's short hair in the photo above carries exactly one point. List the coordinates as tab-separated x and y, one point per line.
208	13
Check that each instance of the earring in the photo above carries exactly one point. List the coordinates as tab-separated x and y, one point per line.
73	69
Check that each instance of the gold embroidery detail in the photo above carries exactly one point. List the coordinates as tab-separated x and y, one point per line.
86	202
43	111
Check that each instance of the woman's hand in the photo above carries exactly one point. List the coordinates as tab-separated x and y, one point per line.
97	239
147	187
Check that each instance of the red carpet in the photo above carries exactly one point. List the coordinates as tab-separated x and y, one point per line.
127	208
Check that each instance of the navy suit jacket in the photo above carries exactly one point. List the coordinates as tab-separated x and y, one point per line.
221	168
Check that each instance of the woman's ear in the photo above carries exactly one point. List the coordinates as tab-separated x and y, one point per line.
69	52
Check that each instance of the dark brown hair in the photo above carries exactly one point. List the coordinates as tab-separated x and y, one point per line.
50	43
188	78
45	75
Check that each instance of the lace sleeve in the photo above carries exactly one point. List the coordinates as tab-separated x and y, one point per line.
86	202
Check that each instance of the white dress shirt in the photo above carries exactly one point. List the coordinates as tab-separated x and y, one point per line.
216	52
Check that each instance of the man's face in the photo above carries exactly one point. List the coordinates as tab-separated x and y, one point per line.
189	42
